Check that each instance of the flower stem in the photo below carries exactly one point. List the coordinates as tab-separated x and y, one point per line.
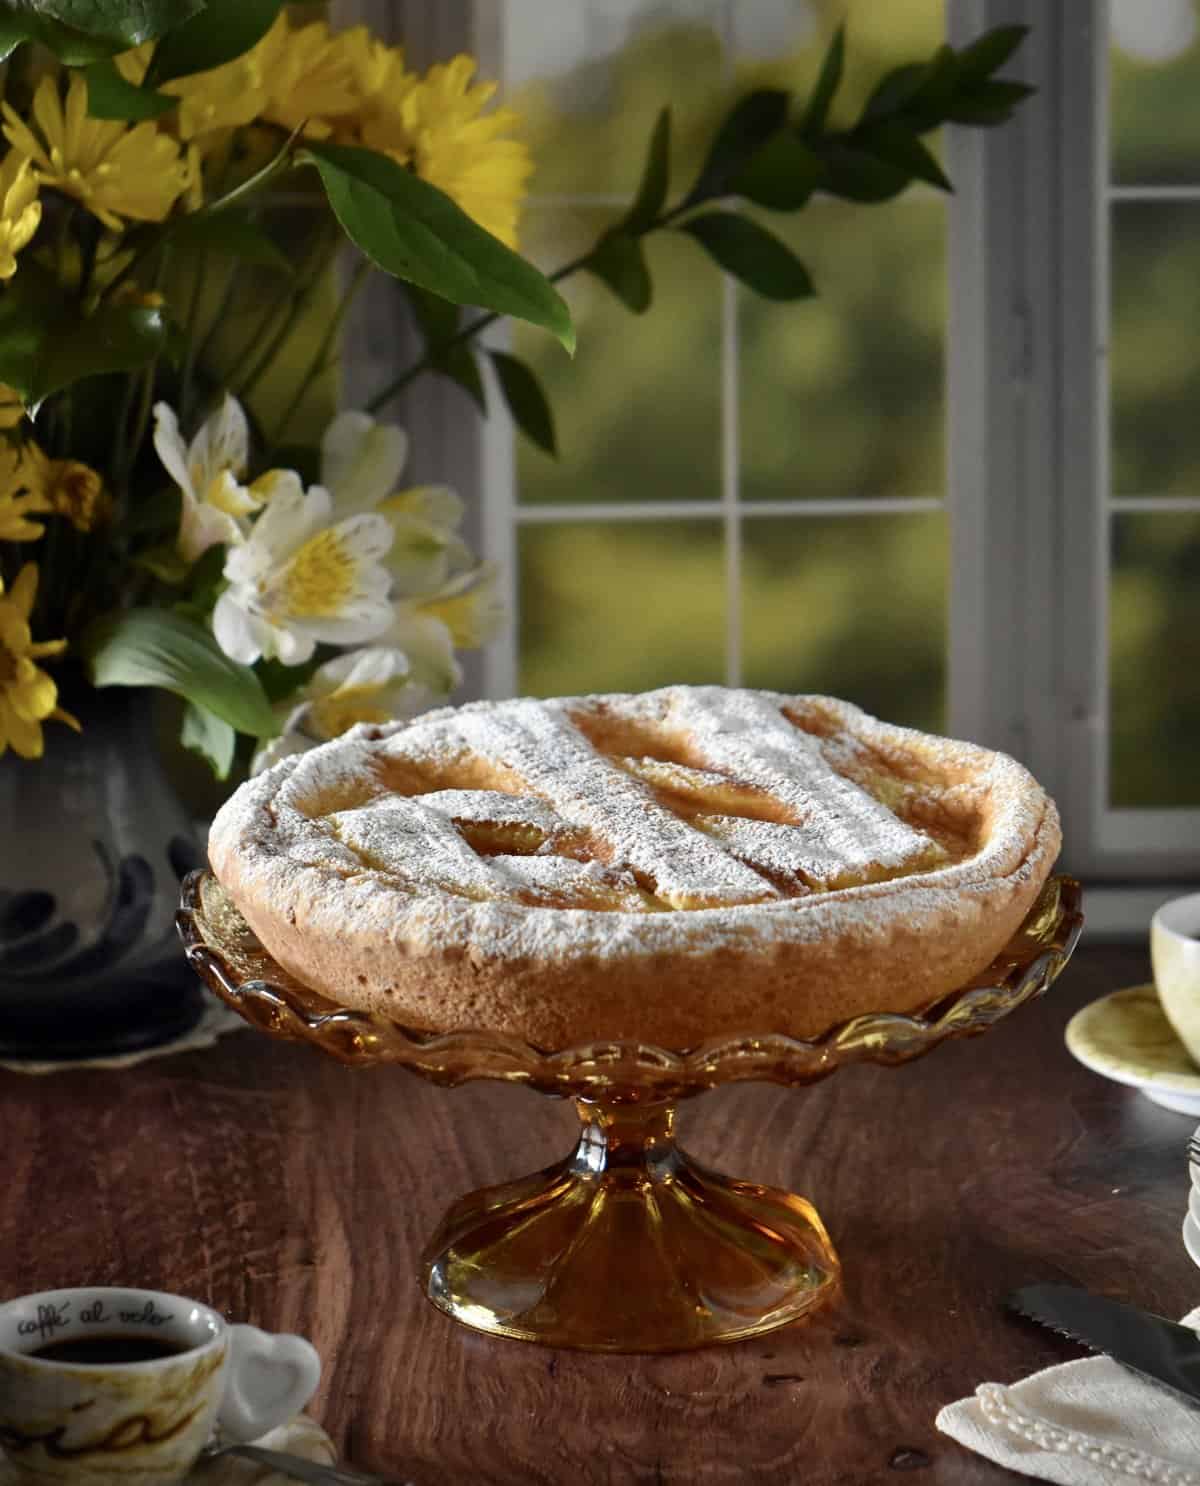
321	359
188	376
299	301
467	332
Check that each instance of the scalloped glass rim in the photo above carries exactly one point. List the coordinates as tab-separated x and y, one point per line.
226	955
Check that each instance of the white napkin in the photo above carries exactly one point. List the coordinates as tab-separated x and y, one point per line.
1086	1423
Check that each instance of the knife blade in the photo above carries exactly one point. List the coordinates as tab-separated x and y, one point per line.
1149	1345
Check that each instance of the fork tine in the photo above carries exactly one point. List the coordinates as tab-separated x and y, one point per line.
1194	1150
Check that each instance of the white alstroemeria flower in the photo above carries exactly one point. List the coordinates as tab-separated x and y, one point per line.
426	546
361	464
361	461
368	685
209	472
301	579
463	613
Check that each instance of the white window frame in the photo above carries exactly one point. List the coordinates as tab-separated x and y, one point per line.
1028	435
1027	477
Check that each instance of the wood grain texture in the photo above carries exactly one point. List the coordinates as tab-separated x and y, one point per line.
295	1194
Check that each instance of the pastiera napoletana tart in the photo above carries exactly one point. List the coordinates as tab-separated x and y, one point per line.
667	866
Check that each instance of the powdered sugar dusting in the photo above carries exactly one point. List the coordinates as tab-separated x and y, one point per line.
591	835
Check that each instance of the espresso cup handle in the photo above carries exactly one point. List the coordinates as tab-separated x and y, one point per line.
268	1379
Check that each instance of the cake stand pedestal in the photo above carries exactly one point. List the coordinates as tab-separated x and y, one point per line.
627	1245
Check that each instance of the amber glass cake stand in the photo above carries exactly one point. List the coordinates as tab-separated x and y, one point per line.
627	1245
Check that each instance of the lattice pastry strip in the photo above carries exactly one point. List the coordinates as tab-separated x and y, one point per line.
632	834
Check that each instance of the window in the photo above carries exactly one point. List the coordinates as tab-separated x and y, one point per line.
1075	552
760	494
748	491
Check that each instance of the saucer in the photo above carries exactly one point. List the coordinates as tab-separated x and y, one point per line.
301	1436
1126	1037
1191	1238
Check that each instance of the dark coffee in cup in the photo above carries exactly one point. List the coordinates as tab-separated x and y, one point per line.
110	1351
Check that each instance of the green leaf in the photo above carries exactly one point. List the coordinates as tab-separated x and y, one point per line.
111	96
155	647
117	24
437	317
118	337
652	191
281	683
459	364
72	48
164	562
896	145
926	109
526	400
828	81
750	123
414	231
13	31
232	234
782	175
33	312
859	175
989	52
896	90
205	733
224	30
751	254
620	262
438	322
991	103
44	346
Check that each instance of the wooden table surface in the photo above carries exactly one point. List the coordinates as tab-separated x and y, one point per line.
288	1191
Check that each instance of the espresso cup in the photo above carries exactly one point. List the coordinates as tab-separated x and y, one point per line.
1175	955
109	1385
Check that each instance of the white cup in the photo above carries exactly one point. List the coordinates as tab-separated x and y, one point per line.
1175	955
79	1415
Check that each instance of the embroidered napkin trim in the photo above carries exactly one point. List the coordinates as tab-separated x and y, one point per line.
998	1409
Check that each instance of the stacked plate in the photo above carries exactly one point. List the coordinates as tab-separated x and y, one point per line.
1191	1224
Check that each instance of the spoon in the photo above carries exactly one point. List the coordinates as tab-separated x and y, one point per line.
297	1467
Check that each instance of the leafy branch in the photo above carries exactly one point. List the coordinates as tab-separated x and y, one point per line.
771	151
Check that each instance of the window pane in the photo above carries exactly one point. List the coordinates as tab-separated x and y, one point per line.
1155	348
1154	660
638	409
854	607
589	80
843	395
621	607
1154	79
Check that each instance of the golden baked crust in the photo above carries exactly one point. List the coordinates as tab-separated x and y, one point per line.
667	866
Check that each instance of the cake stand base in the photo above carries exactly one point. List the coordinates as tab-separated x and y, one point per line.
629	1246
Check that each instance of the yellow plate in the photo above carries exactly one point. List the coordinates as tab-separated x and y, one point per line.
1126	1037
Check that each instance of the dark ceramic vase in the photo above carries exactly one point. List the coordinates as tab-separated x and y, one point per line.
93	844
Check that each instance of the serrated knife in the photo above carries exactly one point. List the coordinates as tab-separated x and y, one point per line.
1158	1349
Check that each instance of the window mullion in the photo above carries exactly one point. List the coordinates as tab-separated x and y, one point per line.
1023	446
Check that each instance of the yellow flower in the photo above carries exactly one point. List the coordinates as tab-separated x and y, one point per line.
378	69
67	488
28	696
311	74
18	501
114	170
12	409
20	210
438	128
